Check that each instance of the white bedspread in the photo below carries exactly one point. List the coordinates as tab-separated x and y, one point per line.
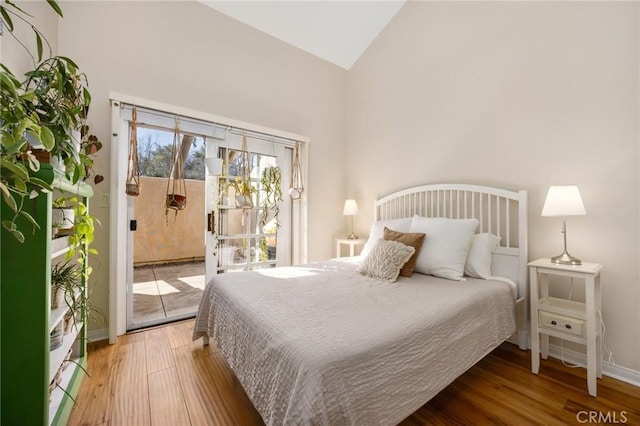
320	344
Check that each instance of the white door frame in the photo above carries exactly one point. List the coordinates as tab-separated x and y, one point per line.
118	198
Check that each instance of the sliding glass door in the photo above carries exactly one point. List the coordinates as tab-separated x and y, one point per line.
243	235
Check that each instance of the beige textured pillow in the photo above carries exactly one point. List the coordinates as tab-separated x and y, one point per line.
385	260
414	240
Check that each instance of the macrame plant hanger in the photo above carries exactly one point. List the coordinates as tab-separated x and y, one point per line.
133	172
244	190
176	186
296	188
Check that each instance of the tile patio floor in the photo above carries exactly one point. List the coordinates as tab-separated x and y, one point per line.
167	290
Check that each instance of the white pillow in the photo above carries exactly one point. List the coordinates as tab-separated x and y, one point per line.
385	260
445	248
377	230
479	259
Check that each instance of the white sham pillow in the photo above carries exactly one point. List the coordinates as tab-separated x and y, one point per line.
444	251
377	231
385	259
479	259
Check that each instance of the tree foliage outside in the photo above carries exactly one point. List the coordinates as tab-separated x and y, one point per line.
154	158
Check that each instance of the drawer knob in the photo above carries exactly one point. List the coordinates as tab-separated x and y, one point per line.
554	322
568	326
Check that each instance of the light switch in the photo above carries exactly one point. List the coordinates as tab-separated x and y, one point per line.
104	199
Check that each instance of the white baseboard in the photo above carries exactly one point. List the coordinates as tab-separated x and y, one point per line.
623	374
97	335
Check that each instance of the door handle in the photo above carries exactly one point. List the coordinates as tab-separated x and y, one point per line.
133	225
211	225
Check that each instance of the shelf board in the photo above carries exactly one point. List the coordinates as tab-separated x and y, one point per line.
58	180
57	395
59	246
565	307
56	356
56	315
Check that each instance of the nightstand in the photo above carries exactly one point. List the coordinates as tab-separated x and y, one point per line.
573	321
351	243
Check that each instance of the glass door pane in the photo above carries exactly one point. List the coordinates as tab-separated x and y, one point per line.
246	238
167	258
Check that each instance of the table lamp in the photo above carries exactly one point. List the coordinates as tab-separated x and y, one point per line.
564	201
351	209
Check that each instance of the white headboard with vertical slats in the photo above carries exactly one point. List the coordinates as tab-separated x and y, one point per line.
500	212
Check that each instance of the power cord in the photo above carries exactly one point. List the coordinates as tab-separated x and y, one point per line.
603	328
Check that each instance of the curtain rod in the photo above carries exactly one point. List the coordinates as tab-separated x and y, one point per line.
232	129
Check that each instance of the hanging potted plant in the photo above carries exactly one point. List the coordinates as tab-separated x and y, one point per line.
132	187
296	187
272	187
244	192
176	199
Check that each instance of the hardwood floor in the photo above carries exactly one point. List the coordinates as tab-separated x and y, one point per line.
160	377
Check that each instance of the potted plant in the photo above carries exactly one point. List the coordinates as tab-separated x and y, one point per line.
271	185
244	192
82	231
65	280
46	111
65	285
62	216
68	286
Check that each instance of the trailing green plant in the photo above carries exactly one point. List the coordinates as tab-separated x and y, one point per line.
69	278
45	111
83	230
271	185
66	278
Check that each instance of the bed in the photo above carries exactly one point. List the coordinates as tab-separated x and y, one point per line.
323	344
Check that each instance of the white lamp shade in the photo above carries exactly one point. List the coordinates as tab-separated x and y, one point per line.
214	165
350	208
563	201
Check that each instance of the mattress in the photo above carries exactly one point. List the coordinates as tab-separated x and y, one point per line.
321	344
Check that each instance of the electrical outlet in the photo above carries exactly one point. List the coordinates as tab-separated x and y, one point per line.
104	199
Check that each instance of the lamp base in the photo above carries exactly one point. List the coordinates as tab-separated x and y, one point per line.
566	259
352	236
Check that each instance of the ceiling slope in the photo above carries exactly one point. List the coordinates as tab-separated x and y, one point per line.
336	31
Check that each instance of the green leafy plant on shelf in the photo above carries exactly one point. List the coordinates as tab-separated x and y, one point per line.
46	112
67	278
83	231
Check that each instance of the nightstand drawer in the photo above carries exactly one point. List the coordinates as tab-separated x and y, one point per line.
562	323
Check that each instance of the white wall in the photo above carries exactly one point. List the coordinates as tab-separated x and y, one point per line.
521	95
188	55
13	55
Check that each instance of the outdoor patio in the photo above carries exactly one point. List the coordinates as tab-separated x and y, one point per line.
166	291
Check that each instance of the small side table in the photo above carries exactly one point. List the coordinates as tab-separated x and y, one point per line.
351	243
566	319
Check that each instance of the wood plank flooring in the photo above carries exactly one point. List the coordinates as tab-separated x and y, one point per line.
160	377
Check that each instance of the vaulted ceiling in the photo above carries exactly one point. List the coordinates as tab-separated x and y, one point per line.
337	31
